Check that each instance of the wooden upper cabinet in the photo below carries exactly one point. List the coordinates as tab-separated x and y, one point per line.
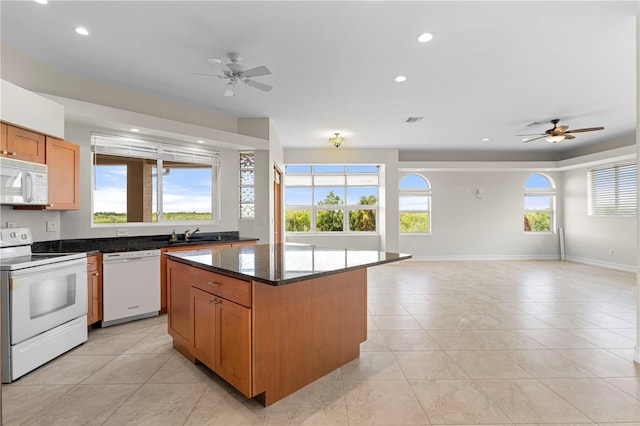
3	137
63	164
23	144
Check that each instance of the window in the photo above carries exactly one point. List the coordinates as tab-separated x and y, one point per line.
148	182
331	198
612	190
415	205
539	204
247	188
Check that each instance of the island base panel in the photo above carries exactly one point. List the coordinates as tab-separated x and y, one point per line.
185	351
306	330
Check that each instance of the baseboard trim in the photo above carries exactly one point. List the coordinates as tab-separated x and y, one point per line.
608	265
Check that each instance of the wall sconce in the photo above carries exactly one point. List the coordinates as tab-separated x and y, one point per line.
336	140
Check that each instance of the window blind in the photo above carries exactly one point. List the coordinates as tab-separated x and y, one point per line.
612	190
139	148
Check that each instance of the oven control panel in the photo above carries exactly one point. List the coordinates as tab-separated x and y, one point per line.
11	237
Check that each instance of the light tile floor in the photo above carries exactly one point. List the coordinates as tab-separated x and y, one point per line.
517	342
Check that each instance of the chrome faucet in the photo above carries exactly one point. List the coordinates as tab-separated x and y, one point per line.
188	234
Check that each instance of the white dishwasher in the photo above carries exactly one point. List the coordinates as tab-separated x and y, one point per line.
130	286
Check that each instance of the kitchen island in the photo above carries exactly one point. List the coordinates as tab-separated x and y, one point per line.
270	318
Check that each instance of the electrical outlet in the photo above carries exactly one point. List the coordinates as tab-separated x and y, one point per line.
122	232
52	226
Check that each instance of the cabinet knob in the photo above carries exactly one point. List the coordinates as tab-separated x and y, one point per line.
14	154
96	273
5	152
50	205
213	302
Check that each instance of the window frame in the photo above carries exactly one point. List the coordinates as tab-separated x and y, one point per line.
617	168
313	208
413	192
148	149
541	192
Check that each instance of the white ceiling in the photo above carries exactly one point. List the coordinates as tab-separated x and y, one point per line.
492	68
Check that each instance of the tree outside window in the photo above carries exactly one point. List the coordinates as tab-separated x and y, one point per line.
415	205
539	203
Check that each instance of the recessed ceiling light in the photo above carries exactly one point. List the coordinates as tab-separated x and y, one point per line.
42	1
200	141
134	130
82	31
425	37
525	139
400	79
485	140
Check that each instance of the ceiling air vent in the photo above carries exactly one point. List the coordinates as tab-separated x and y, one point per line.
413	119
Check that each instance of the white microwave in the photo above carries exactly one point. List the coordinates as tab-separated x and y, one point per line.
23	182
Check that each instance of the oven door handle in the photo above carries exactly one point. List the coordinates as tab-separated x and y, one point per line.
76	264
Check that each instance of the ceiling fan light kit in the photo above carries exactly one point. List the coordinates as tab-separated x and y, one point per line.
336	140
558	133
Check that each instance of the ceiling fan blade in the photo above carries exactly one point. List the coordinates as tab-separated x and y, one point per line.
534	134
586	129
534	139
567	137
256	72
230	89
258	85
207	75
217	63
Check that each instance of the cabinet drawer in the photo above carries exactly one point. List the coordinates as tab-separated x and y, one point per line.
233	289
92	263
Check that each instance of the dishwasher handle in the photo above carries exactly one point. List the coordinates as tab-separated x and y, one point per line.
128	256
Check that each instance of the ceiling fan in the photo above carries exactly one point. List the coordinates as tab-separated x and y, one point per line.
235	73
559	133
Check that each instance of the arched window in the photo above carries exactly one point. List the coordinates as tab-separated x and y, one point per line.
539	204
415	205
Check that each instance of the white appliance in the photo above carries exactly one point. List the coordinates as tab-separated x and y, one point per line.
22	182
44	303
130	286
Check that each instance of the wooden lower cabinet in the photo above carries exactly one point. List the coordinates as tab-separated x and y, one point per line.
94	282
209	328
222	338
267	341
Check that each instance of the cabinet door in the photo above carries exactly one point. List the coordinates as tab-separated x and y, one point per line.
179	303
94	281
25	145
204	310
233	345
3	138
63	163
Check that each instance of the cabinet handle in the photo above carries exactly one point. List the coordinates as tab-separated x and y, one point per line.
50	205
14	154
213	302
215	284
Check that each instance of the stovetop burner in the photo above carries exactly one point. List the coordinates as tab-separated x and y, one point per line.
15	251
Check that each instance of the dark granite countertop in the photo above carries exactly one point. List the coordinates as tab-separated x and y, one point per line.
147	242
279	264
